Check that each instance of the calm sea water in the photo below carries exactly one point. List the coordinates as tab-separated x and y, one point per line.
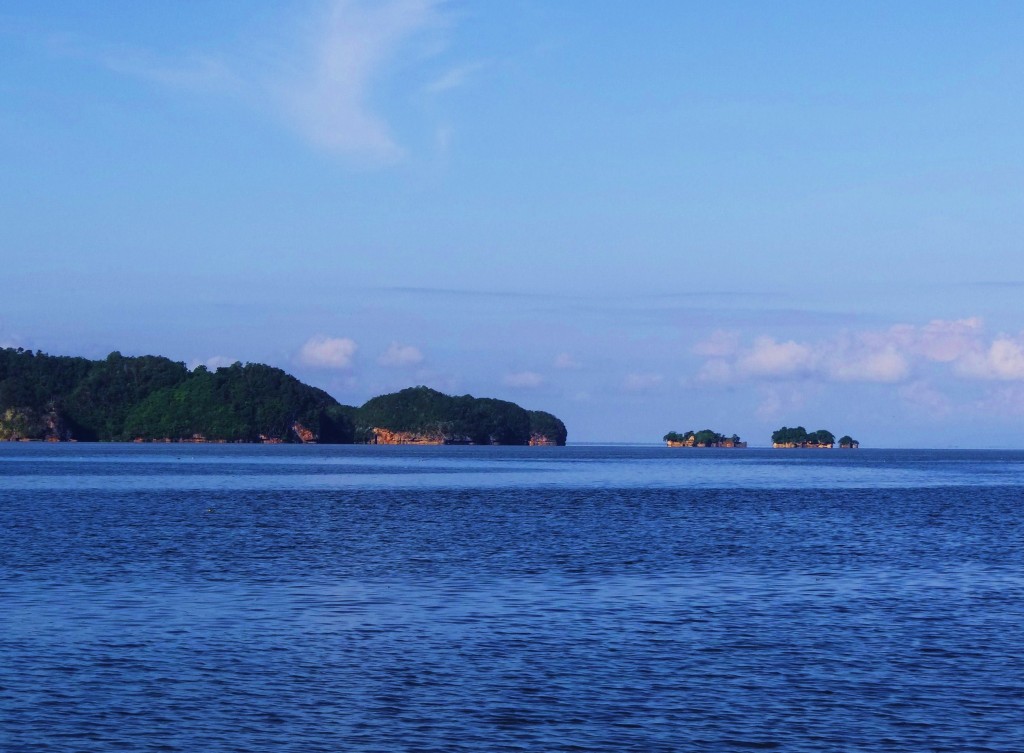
222	598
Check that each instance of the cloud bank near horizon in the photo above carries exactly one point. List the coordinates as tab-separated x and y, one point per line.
889	356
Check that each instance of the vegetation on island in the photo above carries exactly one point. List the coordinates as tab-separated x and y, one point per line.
702	438
423	415
847	442
151	398
239	403
800	437
546	428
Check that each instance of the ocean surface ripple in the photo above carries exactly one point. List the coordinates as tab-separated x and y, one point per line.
215	598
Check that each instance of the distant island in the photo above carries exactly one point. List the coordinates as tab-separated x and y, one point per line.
420	415
155	399
799	437
702	438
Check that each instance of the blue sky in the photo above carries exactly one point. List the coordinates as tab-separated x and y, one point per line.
640	217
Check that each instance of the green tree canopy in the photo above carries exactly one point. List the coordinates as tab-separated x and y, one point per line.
149	397
462	419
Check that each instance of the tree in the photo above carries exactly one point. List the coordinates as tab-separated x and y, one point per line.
822	437
785	435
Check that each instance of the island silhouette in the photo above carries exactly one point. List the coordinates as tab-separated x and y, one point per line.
155	399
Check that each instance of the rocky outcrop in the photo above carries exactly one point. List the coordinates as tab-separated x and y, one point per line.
28	425
546	429
385	436
305	435
543	440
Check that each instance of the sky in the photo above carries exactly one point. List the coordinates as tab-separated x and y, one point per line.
641	217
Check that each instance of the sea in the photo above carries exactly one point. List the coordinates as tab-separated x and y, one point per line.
214	598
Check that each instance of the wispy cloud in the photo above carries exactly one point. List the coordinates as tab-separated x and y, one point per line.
453	78
642	381
328	96
565	361
779	400
719	343
523	380
328	352
399	355
196	72
1006	400
323	80
925	396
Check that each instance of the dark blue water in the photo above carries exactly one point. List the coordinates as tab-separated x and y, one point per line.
205	598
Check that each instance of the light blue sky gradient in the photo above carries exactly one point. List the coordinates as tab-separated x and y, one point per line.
640	216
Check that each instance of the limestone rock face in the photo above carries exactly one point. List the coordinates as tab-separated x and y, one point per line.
542	440
385	436
306	436
29	425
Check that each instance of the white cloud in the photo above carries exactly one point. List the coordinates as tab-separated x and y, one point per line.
946	341
715	370
867	365
328	352
523	380
400	355
885	356
1003	359
329	97
770	358
642	381
565	361
719	344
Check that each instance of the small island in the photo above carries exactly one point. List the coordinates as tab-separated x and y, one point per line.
702	438
799	437
420	415
154	399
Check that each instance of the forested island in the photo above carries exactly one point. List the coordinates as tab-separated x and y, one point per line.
702	438
821	439
420	415
155	399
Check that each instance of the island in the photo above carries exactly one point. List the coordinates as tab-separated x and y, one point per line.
846	442
799	437
420	415
702	438
154	399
